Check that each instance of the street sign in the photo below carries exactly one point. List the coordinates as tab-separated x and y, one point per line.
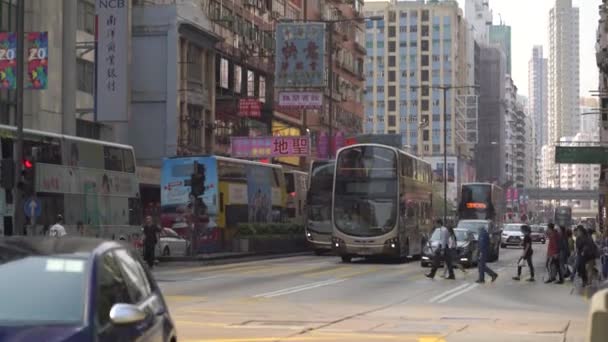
32	207
581	155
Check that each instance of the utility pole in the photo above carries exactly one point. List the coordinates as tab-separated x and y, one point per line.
19	215
330	83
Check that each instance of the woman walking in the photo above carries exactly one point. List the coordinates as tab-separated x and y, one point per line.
526	256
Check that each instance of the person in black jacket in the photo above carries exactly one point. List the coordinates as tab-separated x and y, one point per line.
584	250
526	255
151	232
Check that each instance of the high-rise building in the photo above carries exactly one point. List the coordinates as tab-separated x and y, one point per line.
563	70
479	17
419	44
538	91
501	35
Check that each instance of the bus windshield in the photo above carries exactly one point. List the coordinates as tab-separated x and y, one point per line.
476	202
319	196
366	191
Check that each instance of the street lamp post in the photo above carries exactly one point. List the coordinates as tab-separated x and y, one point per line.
444	89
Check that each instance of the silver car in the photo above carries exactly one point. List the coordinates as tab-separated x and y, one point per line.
512	235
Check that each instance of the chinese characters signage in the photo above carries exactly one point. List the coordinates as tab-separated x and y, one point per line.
300	55
250	108
112	59
303	100
262	147
37	60
8	60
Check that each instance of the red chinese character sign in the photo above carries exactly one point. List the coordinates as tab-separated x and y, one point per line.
263	147
8	60
300	55
300	100
37	60
250	108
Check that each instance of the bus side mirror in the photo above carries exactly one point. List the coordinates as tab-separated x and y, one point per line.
598	316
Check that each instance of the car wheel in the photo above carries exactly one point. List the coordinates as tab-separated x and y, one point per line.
346	258
166	251
543	242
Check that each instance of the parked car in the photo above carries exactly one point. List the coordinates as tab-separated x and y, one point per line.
77	289
171	244
512	235
538	234
475	225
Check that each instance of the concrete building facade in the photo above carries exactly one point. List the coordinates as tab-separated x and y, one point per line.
538	95
479	16
501	36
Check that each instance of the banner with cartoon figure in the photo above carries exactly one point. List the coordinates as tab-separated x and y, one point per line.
8	60
37	60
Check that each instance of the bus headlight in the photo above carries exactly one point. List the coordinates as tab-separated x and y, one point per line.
392	243
337	242
308	235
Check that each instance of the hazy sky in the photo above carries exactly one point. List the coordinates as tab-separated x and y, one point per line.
529	21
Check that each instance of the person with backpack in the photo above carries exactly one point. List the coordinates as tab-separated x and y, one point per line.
587	252
526	255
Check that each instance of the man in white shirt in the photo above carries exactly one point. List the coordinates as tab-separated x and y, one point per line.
442	252
57	230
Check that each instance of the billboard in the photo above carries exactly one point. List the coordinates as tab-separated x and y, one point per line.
112	56
300	55
300	100
8	60
250	108
37	60
263	147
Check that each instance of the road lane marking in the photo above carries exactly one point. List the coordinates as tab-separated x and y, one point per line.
456	294
298	288
447	293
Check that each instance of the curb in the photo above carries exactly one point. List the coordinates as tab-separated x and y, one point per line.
249	255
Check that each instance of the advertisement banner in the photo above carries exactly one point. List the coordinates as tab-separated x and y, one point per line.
323	146
300	100
262	147
250	108
8	60
112	58
37	60
300	55
509	194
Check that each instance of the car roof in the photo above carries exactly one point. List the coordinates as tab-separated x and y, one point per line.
48	246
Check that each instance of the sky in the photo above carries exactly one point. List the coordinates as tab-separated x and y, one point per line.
529	21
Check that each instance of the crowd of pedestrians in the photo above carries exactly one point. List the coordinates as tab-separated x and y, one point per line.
569	255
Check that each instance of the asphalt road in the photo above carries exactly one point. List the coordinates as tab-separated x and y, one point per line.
310	298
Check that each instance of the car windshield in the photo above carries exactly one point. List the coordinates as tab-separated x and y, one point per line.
41	290
461	234
473	227
512	228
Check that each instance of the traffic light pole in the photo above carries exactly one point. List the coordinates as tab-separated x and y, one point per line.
19	215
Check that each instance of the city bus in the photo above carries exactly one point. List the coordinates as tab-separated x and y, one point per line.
236	191
296	186
482	201
382	202
91	183
318	206
563	216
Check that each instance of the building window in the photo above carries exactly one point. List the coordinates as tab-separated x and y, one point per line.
392	46
425	15
424	74
425	135
424	105
391	76
392	105
413	28
250	83
195	120
262	91
238	78
392	61
224	73
425	91
424	30
86	16
425	60
195	63
85	72
392	120
392	16
391	31
424	44
392	91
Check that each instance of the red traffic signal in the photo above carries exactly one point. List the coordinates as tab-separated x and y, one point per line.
28	164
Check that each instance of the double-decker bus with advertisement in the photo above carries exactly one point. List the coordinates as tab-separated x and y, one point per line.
91	183
382	202
235	191
481	201
318	205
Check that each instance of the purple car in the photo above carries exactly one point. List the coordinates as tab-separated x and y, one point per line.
75	289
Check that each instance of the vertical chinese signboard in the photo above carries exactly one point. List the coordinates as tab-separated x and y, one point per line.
8	60
112	60
300	55
37	60
250	108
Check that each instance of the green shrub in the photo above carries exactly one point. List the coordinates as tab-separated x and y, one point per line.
247	230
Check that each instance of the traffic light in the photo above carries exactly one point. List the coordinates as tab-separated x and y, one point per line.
7	173
197	180
27	183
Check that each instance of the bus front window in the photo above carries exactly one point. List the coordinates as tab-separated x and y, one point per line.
366	191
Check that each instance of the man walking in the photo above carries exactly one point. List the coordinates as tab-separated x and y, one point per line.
58	230
553	256
150	239
442	252
484	249
526	255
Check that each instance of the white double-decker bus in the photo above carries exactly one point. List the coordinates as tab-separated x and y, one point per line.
382	202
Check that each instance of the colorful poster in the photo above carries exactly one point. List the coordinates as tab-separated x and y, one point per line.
262	147
37	60
250	108
8	60
300	55
259	194
177	202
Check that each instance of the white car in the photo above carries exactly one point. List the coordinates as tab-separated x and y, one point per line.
171	244
511	235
